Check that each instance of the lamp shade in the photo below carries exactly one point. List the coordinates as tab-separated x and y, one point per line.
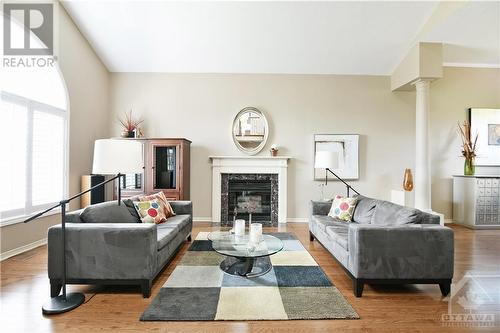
113	156
326	159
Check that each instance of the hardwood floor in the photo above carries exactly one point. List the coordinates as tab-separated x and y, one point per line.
416	308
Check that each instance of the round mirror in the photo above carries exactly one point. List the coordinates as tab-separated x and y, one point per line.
250	130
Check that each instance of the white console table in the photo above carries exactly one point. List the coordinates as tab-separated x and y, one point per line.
476	201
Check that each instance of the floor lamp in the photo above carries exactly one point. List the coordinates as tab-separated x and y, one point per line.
111	157
330	160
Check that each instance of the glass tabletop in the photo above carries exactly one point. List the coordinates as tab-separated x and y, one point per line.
240	246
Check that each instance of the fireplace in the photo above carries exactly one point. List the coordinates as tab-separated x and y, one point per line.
249	168
249	196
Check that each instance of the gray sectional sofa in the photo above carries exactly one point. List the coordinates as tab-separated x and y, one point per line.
107	244
386	244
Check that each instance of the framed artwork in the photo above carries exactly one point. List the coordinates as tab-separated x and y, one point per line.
494	134
347	146
486	124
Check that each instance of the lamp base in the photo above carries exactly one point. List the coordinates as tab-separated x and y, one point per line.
59	305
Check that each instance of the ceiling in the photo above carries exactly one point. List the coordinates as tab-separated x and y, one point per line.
282	37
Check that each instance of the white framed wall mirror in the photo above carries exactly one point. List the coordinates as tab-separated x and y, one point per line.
250	130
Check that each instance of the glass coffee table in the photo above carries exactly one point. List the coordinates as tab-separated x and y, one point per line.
242	257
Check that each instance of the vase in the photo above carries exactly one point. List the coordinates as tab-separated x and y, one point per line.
128	134
469	167
408	180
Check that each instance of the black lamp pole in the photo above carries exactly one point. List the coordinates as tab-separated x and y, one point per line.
67	302
349	187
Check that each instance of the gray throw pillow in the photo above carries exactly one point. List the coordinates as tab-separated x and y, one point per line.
364	209
388	213
108	212
131	208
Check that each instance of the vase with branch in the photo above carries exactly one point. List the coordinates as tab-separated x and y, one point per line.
468	147
130	125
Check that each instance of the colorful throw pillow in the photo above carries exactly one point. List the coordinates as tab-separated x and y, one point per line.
342	208
150	211
162	199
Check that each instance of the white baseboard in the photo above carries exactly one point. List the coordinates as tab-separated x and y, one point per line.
297	220
202	219
21	249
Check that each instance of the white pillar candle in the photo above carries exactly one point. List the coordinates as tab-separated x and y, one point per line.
255	233
239	227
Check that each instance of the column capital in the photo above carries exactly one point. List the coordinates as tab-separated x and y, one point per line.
422	83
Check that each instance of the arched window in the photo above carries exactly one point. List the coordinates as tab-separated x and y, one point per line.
34	149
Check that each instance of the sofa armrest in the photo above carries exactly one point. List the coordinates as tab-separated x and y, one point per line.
182	207
411	251
320	207
104	251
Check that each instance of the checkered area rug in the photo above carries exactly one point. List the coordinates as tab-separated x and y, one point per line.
295	288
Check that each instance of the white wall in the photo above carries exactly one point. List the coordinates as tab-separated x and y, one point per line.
87	82
201	108
451	96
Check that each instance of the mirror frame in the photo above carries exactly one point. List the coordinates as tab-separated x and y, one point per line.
257	149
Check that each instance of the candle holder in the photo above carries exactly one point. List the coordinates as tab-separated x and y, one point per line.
255	233
239	227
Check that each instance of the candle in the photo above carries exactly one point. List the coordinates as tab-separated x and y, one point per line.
239	227
255	233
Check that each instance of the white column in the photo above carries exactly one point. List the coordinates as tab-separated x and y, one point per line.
422	159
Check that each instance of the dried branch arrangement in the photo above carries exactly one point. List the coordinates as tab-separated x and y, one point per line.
468	146
129	123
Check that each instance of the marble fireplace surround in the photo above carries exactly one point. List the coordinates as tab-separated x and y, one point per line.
249	165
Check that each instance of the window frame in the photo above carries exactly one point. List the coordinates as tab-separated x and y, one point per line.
18	215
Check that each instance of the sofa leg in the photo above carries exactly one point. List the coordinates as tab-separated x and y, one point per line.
311	236
55	288
445	288
358	285
189	238
146	288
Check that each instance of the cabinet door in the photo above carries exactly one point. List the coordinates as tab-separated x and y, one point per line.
164	172
132	184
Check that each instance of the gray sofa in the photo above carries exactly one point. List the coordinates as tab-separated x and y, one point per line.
107	244
386	244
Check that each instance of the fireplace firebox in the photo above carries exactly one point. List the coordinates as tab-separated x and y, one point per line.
250	197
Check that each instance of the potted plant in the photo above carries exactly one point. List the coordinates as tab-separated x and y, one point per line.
130	125
468	148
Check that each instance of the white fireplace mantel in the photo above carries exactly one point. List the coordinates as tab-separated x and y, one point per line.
249	165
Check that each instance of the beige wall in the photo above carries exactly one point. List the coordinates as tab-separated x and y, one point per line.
451	96
87	82
201	108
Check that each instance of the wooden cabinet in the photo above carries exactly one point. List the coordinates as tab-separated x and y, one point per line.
166	168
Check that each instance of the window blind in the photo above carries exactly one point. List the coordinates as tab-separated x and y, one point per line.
34	154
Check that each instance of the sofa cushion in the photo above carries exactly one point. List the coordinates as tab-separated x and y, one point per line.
323	221
129	203
162	199
342	208
339	234
107	212
388	213
364	209
164	236
151	211
176	222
